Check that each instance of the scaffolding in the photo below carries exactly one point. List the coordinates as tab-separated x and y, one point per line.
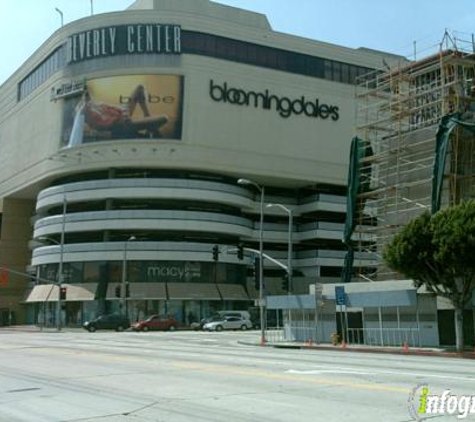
399	110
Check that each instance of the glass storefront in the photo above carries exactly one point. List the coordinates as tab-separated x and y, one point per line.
185	311
73	314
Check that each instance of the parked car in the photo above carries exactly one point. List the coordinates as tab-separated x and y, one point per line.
228	323
201	324
108	322
156	322
218	316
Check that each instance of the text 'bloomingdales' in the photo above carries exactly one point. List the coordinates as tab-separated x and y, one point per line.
283	105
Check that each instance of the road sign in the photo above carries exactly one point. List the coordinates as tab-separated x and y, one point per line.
340	295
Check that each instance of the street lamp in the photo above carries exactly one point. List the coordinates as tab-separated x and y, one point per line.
60	275
60	14
58	281
124	276
261	189
289	245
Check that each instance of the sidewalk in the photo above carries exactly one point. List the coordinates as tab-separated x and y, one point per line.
38	329
411	351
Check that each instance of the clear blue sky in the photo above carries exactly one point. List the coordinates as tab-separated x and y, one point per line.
391	26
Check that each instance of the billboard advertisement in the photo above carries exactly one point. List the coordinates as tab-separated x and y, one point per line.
125	107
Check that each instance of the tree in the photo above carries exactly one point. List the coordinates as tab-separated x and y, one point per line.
437	251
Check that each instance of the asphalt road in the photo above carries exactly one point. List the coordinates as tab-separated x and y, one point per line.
195	376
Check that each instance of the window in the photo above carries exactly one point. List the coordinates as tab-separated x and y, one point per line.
336	72
222	48
42	72
269	57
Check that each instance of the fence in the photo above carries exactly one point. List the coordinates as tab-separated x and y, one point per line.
391	337
293	333
275	335
394	337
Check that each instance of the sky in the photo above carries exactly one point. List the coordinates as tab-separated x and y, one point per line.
392	26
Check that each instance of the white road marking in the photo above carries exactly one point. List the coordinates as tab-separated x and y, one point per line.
329	371
343	370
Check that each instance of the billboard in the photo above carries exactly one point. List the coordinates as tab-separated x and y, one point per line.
125	107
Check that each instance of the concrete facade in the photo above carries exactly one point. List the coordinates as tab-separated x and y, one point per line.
178	195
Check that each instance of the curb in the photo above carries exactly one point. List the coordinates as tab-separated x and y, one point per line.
409	352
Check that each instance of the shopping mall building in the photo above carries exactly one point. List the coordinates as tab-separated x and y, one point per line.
123	138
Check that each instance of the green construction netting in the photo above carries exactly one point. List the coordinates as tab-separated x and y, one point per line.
447	124
358	182
359	177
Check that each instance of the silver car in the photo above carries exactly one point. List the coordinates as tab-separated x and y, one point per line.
228	323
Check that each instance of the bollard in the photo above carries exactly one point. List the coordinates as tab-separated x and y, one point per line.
405	347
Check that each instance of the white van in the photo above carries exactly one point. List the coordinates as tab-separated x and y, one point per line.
241	314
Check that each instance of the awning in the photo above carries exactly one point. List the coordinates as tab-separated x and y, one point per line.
233	292
80	292
147	291
379	294
291	302
194	291
43	293
382	299
74	293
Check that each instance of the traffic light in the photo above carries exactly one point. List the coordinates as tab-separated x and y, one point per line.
240	252
117	291
285	282
257	272
215	253
127	290
62	293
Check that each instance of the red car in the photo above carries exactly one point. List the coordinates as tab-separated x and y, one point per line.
156	322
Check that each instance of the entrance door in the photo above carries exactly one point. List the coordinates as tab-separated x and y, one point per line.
447	327
355	325
4	317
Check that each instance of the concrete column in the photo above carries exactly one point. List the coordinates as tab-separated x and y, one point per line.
16	232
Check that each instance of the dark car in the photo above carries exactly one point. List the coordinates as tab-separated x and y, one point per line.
107	322
156	322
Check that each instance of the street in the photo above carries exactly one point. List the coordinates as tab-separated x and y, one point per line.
198	376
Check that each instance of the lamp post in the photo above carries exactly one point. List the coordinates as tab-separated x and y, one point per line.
289	241
60	14
59	276
261	189
124	277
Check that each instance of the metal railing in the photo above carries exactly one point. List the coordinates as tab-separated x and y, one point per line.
295	333
391	337
386	337
275	335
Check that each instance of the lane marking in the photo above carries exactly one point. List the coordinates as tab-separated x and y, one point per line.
291	377
326	371
399	373
171	354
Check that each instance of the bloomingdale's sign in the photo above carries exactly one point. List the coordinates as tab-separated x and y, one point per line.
124	39
283	105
